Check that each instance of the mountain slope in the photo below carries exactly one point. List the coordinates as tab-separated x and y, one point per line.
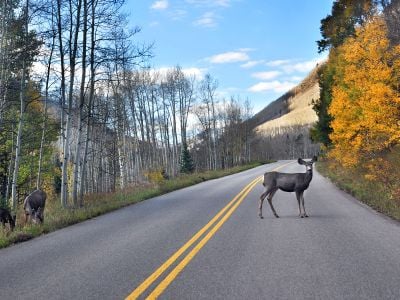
294	108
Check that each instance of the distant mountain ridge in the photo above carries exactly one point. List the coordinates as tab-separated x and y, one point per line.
294	108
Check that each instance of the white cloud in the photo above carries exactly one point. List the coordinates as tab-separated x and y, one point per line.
246	49
296	78
229	57
160	5
276	86
227	92
198	73
277	63
210	3
302	67
177	14
266	75
252	63
208	19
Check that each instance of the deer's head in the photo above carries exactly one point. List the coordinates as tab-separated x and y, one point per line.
37	216
308	164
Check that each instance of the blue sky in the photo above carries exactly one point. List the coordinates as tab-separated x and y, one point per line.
255	49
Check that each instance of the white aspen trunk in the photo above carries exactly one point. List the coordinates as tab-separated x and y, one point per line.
2	59
64	170
214	133
9	176
121	163
42	140
20	123
18	143
62	63
210	141
77	163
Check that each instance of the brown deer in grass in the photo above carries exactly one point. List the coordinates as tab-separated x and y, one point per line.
5	217
34	206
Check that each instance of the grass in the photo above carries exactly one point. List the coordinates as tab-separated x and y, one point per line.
372	193
56	217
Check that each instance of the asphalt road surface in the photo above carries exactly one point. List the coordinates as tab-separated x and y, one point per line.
344	250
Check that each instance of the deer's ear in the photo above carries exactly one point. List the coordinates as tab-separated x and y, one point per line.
300	161
314	158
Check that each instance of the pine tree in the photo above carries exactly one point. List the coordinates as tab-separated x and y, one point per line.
186	163
345	17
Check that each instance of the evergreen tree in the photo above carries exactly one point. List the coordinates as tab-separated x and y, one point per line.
322	128
345	17
186	163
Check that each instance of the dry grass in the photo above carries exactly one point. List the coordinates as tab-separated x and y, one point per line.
292	108
300	112
372	193
56	217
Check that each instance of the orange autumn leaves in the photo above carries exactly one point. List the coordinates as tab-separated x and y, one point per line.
366	100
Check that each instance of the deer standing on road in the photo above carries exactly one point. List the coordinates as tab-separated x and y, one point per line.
295	182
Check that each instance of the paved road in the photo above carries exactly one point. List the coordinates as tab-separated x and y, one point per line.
343	251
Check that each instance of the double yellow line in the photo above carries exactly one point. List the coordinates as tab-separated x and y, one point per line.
228	209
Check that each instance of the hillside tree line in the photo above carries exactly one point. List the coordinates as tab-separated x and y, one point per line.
359	108
82	112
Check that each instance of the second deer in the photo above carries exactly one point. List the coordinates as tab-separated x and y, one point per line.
294	182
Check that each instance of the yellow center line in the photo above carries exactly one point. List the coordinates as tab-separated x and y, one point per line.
179	268
141	288
171	276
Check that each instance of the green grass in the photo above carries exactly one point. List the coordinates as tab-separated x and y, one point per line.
56	217
372	193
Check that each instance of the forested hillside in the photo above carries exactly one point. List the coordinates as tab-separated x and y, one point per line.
359	108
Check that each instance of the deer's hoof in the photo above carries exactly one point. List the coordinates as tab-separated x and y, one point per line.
306	216
301	216
276	216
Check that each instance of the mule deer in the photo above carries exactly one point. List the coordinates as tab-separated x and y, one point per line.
296	182
5	217
34	206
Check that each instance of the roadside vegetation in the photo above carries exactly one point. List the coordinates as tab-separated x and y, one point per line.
57	217
375	194
359	107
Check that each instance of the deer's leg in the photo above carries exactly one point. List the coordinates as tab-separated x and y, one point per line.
298	197
262	197
302	202
271	194
26	218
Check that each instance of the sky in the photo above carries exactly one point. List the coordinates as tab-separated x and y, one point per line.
256	49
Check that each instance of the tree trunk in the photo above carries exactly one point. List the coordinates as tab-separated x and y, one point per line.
22	95
42	140
91	100
64	171
77	163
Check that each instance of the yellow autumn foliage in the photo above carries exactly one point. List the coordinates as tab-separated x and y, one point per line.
155	176
365	95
